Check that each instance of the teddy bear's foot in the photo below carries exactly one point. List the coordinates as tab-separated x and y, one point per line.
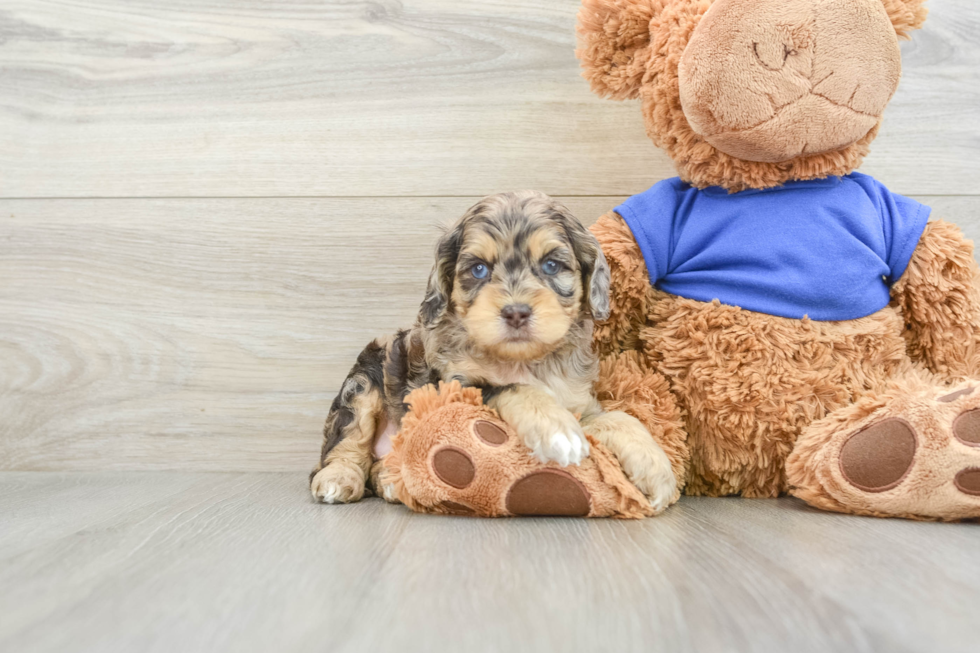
912	454
455	456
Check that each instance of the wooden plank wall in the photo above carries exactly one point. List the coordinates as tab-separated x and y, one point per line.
206	210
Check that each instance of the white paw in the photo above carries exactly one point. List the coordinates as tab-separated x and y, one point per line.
564	447
661	492
655	479
337	484
333	493
389	494
549	431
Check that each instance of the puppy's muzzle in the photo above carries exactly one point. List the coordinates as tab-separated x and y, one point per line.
516	315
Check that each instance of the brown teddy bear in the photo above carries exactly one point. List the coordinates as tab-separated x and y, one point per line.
811	332
779	322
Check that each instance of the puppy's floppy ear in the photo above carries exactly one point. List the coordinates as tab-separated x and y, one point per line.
614	44
599	285
906	15
440	287
591	260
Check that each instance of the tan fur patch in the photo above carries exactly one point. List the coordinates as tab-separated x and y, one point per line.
482	317
543	241
355	446
549	324
482	245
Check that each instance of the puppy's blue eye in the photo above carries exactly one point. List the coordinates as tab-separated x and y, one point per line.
480	271
550	267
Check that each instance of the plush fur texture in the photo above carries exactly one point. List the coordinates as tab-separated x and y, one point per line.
450	419
940	301
633	48
756	405
906	15
926	492
770	80
729	393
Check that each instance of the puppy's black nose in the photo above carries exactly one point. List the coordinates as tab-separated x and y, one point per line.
516	315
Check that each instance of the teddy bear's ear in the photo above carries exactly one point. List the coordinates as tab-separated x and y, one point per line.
906	15
614	43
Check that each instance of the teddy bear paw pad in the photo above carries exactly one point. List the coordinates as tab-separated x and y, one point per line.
879	457
968	482
918	457
966	427
454	467
490	433
548	492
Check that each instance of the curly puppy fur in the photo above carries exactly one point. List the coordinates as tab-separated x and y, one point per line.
509	308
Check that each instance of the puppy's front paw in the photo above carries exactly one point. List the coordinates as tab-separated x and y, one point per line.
384	490
649	469
562	447
338	483
554	435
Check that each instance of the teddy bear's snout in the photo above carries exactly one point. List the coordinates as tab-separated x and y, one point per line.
771	80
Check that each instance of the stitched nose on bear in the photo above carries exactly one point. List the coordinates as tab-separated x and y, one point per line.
771	80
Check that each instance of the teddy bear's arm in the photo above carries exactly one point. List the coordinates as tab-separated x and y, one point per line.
630	287
939	298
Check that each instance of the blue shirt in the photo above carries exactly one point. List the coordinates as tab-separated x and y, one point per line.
828	248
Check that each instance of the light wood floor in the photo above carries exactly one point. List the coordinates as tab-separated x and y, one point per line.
207	209
171	561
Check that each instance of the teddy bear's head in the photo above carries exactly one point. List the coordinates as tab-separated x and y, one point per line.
751	93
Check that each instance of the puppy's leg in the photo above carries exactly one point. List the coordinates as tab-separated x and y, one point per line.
348	434
548	429
643	460
345	464
386	492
